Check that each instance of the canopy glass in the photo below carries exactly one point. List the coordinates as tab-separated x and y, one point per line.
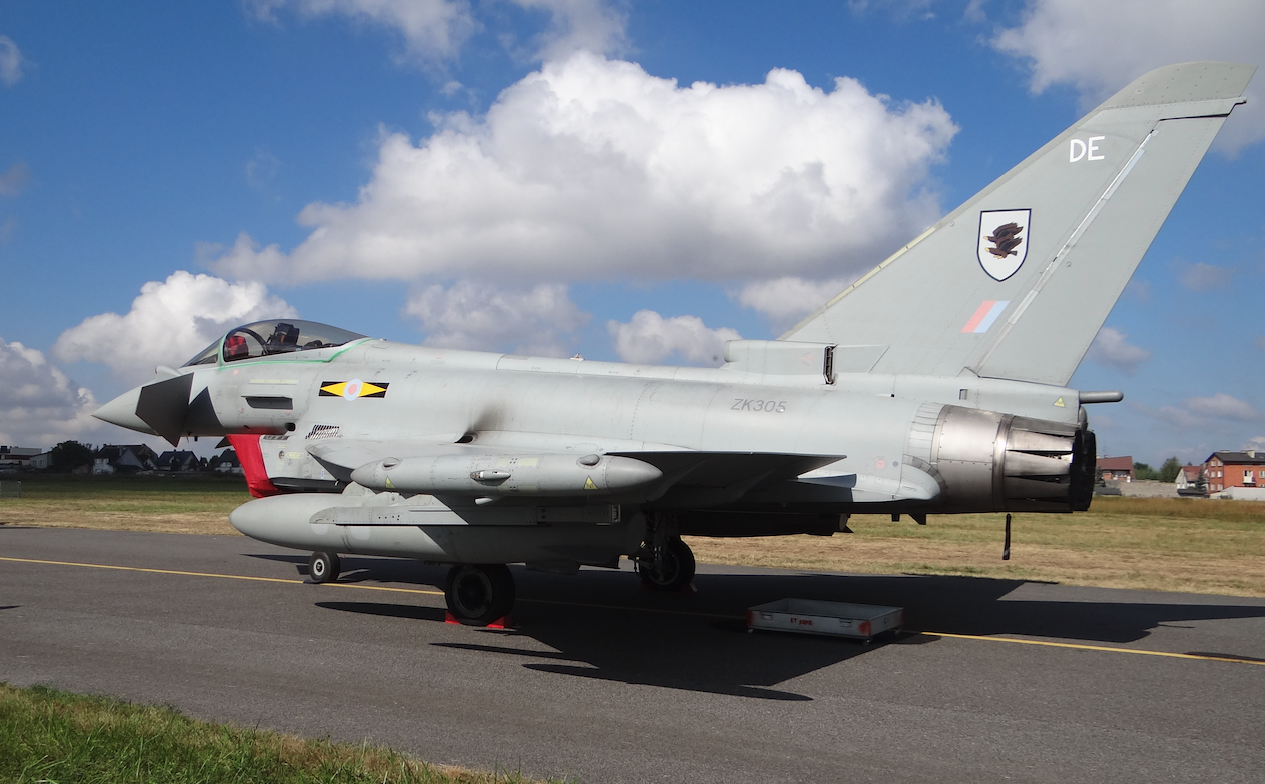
277	336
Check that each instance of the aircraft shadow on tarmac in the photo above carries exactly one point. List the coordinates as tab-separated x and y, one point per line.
601	624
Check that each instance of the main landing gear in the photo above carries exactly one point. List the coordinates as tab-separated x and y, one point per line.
664	562
478	594
324	567
670	569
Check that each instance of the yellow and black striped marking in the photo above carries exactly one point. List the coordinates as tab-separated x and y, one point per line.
353	389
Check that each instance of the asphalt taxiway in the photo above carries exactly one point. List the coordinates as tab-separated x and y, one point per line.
605	682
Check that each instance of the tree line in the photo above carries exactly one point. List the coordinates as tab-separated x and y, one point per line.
1166	473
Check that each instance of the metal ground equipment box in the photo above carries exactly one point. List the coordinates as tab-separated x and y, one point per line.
836	619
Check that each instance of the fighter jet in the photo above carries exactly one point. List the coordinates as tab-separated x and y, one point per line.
937	383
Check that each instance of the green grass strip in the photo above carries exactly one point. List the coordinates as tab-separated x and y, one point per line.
53	737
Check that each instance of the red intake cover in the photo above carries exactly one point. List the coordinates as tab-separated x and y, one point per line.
252	460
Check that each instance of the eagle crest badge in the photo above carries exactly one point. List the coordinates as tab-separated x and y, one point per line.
1002	245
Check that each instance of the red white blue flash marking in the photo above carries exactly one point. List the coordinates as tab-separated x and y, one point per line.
985	315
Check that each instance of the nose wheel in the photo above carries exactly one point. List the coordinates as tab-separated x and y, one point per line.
478	594
323	567
671	568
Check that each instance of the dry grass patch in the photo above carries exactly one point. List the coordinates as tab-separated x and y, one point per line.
1172	544
1169	544
191	523
163	504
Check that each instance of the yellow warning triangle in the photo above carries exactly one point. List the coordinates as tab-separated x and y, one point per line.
389	485
1060	403
588	483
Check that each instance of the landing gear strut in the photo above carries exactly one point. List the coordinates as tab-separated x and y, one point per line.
478	594
665	563
323	567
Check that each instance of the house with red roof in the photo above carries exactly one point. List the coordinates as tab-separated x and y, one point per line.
1235	469
1116	468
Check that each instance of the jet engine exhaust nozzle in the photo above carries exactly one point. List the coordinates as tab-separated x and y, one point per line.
1002	462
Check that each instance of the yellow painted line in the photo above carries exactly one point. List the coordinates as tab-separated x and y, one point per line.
222	576
626	608
154	571
361	587
1106	648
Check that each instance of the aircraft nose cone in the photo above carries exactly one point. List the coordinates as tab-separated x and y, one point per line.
121	411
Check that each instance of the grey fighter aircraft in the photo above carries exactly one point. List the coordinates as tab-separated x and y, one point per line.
937	383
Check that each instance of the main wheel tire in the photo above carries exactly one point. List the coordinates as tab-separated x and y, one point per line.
478	594
676	571
324	567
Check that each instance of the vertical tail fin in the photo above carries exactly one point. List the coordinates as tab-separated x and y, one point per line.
1016	282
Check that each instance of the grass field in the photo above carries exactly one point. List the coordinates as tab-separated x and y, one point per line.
170	504
48	736
1175	544
1169	544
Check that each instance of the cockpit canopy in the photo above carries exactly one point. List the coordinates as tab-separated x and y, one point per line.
277	336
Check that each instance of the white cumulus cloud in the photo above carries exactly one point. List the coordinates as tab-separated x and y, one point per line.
1222	406
436	29
1098	47
474	315
649	338
262	169
898	10
788	300
39	405
1205	277
1111	348
12	180
11	61
432	29
1221	415
591	168
575	25
169	322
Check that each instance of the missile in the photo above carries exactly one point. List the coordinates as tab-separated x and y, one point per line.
494	476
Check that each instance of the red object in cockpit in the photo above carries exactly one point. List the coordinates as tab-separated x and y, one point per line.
235	348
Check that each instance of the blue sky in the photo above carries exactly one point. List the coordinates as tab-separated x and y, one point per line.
522	175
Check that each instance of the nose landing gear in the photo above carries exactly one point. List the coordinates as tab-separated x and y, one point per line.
324	567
